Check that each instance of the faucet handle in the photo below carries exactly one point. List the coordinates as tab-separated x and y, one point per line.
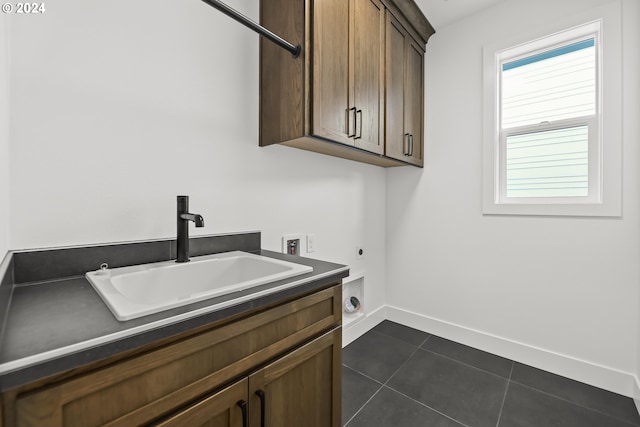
183	204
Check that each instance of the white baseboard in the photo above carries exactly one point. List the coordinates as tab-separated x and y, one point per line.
359	327
636	393
611	379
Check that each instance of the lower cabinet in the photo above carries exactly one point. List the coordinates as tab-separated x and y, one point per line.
273	368
299	389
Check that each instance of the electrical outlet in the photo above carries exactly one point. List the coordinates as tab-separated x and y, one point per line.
311	243
360	251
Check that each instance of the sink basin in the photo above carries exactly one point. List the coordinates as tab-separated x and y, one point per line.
140	290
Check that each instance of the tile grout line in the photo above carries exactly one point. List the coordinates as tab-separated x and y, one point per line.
630	423
524	385
402	366
362	373
428	334
411	398
506	390
382	385
425	341
417	348
503	401
400	339
509	380
530	387
427	406
466	364
363	405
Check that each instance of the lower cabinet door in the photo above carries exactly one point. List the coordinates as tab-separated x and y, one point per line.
300	389
226	408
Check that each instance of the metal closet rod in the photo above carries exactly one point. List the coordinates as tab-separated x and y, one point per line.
295	50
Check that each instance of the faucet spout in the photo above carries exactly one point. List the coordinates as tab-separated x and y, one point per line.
199	221
183	218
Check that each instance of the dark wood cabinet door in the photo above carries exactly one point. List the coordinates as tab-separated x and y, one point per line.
367	73
414	94
331	117
396	139
404	95
226	408
348	72
301	388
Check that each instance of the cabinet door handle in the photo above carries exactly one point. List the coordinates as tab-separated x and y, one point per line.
411	145
261	395
405	144
243	407
349	121
359	113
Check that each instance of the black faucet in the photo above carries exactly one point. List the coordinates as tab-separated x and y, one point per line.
183	219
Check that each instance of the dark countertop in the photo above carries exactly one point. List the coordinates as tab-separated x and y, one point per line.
54	325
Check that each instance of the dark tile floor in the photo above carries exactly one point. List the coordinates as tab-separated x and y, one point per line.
401	377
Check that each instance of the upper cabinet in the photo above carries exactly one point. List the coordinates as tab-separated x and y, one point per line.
405	94
348	70
356	90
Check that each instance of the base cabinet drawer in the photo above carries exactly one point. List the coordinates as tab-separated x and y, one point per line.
147	387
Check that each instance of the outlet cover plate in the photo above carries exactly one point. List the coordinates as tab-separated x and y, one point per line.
311	243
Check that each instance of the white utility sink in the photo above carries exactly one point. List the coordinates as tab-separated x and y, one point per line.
140	290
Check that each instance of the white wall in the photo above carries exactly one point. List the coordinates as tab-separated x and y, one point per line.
631	125
4	137
119	106
557	293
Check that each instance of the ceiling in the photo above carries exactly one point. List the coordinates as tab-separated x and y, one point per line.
444	12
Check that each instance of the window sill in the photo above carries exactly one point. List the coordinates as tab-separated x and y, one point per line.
610	209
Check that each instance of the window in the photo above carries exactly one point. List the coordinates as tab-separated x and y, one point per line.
549	118
545	125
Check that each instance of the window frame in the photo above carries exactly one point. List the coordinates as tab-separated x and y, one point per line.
605	139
